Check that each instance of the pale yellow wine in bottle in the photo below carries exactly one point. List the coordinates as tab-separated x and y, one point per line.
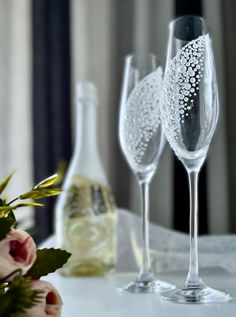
85	215
89	230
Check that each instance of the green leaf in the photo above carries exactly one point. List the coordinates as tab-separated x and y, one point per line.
5	210
61	170
40	193
11	216
18	297
33	204
5	182
48	261
2	202
46	182
5	226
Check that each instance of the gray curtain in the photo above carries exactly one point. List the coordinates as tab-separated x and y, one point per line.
229	50
103	32
15	101
51	97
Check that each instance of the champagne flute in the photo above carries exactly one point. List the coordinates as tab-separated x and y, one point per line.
189	113
142	141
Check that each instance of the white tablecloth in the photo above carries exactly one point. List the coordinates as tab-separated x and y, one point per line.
98	297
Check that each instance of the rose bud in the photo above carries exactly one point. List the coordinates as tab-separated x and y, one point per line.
50	303
17	251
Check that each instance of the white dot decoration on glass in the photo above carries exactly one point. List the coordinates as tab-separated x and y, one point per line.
142	115
180	90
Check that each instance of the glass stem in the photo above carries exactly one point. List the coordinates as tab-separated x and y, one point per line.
145	272
193	279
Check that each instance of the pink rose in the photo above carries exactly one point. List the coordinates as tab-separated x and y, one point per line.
17	251
49	305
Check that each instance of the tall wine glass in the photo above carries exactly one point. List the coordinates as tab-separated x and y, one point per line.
142	141
189	112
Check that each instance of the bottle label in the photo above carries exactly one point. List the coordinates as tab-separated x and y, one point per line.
89	227
85	196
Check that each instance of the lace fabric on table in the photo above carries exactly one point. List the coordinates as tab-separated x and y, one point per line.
169	249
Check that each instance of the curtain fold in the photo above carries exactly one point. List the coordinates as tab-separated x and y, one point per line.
102	34
98	49
15	101
217	168
51	96
150	35
88	40
228	9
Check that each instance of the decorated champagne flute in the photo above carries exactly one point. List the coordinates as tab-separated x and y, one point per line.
189	113
142	141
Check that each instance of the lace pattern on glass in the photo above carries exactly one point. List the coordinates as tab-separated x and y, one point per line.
142	115
181	86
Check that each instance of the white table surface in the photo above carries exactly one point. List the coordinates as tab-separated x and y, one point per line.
98	297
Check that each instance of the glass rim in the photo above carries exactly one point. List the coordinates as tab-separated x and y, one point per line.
141	55
190	16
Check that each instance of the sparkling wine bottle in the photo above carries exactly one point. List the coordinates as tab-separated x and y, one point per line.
85	214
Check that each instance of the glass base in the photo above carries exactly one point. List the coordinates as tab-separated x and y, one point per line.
201	294
146	287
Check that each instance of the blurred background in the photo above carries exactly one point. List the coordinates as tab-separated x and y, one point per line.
46	46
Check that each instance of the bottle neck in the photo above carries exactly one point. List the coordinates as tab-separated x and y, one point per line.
86	130
86	159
